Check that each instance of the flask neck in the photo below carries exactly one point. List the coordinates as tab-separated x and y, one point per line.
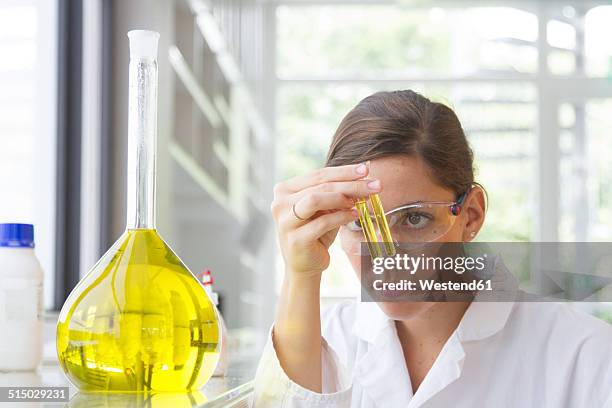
142	143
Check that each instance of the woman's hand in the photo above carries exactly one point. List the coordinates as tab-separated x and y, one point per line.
309	209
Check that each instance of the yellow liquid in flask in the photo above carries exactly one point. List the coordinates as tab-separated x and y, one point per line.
138	321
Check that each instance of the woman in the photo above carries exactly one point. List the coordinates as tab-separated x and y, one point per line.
411	354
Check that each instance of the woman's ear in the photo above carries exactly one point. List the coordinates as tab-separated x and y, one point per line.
474	208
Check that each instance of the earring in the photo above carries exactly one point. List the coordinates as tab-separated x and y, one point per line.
473	234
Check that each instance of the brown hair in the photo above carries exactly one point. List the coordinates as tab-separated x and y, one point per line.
406	123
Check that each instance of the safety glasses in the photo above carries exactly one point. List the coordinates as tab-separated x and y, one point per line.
423	221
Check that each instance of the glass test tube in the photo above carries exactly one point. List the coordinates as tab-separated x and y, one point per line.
369	233
383	225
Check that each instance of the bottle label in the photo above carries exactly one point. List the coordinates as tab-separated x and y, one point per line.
20	301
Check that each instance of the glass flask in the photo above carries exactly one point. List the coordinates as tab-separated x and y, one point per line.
139	321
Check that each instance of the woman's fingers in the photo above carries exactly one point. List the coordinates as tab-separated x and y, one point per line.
308	210
325	175
352	189
321	225
297	209
307	206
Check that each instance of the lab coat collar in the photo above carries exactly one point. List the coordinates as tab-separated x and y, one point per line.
370	321
446	369
485	317
382	370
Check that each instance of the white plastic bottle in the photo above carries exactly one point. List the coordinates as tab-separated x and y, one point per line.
21	279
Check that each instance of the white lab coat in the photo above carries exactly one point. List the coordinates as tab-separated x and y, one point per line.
502	354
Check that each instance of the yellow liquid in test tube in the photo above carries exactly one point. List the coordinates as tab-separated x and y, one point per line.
383	225
369	233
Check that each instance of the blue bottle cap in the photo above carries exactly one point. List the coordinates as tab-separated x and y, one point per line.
17	235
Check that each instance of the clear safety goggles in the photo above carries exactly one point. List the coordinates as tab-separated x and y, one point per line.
424	221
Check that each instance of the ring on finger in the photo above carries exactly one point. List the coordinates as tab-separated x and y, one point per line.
296	214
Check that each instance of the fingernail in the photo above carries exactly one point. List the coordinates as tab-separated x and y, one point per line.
361	169
374	185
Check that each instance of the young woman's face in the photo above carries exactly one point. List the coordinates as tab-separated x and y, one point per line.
406	180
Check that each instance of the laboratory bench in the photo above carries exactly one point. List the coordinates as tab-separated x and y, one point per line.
233	390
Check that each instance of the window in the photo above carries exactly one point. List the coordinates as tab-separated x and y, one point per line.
586	194
598	47
27	123
350	41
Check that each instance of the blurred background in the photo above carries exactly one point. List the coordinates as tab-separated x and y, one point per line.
251	92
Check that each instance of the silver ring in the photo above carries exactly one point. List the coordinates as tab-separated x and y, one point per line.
297	216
